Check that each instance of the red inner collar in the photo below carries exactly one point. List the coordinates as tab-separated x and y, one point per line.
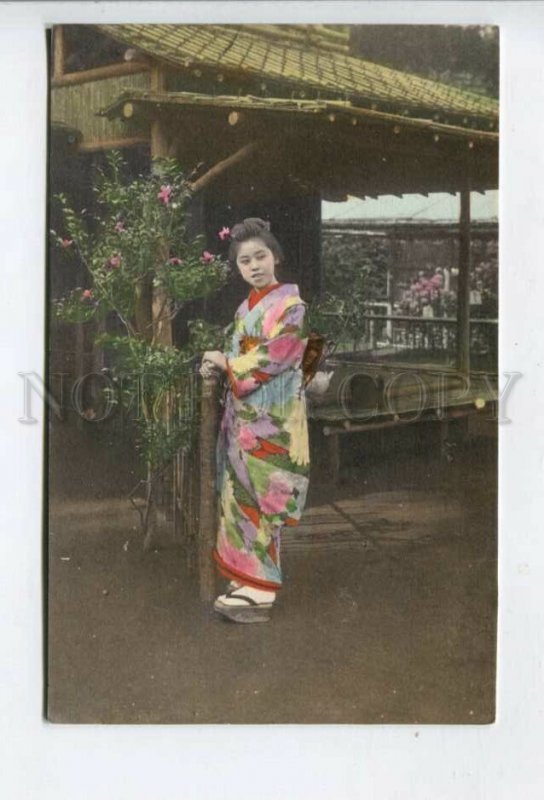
255	296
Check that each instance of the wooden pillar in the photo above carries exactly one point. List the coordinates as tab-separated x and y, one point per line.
333	446
162	146
309	256
319	276
209	415
58	51
463	286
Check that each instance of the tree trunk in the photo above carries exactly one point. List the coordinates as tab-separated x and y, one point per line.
155	314
143	313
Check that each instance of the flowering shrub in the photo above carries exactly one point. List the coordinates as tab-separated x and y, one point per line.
138	253
140	235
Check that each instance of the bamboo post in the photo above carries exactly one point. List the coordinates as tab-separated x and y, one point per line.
208	497
463	286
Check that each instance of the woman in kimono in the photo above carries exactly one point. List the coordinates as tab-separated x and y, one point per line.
263	454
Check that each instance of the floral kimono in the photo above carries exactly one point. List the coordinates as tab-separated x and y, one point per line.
263	455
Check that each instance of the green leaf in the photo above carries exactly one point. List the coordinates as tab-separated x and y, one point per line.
162	379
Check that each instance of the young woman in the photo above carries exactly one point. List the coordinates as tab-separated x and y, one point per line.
263	455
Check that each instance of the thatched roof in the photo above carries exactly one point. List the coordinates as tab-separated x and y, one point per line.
307	62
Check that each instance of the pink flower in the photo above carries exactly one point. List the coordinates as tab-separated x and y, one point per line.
247	439
240	560
86	294
67	242
175	262
120	227
164	194
285	348
423	287
277	496
279	483
207	257
115	261
224	233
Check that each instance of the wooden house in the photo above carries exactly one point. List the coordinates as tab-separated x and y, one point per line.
269	120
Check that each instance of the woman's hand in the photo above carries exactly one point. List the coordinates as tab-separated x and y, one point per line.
212	360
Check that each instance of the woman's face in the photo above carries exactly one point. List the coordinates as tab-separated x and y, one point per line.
256	263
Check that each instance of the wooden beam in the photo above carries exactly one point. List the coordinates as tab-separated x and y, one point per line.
218	169
463	286
112	144
58	52
128	110
234	118
157	79
461	412
99	73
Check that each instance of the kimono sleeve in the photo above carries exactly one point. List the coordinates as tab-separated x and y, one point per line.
237	332
281	352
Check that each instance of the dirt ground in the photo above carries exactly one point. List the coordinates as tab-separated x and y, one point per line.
390	631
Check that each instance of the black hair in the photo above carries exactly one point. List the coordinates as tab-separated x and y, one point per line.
254	228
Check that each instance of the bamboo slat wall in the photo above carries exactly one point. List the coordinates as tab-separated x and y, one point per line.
78	105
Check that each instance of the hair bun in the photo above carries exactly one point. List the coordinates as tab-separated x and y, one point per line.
257	222
252	226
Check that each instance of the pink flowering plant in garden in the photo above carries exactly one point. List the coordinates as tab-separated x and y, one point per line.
144	267
138	238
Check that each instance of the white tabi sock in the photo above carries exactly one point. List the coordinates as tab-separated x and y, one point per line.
258	595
